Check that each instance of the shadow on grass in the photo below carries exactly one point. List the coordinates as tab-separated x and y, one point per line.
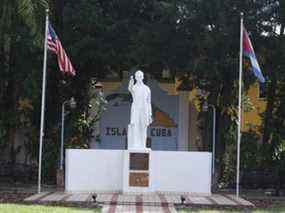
47	207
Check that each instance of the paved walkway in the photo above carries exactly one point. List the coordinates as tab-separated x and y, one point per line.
138	209
152	202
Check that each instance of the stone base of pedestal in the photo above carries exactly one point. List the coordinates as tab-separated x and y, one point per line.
137	171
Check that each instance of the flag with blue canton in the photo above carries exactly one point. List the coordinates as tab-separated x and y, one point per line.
54	45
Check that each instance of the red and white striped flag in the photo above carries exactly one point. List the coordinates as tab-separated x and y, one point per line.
54	45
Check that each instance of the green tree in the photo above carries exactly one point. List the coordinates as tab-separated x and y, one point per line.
19	33
195	40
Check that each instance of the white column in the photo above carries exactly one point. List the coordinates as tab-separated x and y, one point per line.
183	121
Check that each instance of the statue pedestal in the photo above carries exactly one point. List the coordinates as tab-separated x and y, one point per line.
99	170
137	171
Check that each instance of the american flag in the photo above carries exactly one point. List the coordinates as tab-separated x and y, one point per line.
54	45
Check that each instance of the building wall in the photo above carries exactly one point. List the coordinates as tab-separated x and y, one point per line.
194	139
114	121
250	120
19	144
194	133
253	120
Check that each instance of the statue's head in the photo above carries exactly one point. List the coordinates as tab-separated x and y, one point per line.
139	75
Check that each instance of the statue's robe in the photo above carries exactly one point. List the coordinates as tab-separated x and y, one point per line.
141	113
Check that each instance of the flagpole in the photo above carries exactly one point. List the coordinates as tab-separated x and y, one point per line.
239	104
43	104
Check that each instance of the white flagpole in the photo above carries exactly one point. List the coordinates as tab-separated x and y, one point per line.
239	104
43	104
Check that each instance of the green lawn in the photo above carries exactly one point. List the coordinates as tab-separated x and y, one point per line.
273	210
20	208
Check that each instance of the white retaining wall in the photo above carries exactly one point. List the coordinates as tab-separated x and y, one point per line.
171	171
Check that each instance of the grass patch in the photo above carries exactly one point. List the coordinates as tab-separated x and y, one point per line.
21	208
262	206
274	210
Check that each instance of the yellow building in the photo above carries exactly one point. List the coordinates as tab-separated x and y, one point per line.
252	120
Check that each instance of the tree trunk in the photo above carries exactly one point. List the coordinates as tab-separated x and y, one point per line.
220	144
271	96
12	100
9	95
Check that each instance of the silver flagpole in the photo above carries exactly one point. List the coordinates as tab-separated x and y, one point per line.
239	103
43	105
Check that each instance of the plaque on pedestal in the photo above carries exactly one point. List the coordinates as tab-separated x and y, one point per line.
139	179
139	161
137	171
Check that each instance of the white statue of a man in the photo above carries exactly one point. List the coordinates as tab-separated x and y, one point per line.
141	112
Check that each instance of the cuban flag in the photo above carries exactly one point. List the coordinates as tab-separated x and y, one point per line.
249	52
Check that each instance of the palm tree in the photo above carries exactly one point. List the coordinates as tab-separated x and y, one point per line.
28	11
15	13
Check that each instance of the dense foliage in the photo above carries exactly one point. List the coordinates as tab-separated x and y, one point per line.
196	40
